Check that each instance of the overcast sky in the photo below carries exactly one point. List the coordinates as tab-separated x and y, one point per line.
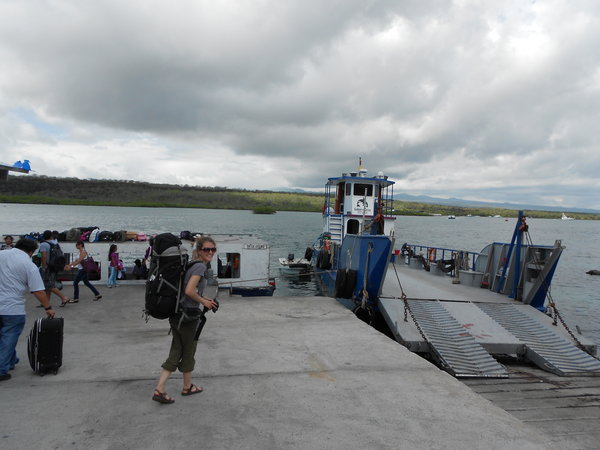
481	100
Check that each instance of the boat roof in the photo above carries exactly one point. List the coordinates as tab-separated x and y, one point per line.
381	180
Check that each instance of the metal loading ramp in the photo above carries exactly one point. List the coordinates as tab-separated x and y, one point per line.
543	346
451	345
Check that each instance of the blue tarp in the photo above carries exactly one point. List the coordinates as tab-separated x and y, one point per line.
22	165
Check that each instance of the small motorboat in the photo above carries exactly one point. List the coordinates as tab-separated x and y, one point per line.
294	266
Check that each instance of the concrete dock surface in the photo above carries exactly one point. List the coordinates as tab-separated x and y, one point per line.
278	373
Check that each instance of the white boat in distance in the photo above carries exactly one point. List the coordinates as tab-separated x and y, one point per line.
294	266
565	217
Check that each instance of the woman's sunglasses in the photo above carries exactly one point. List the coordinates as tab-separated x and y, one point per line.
209	249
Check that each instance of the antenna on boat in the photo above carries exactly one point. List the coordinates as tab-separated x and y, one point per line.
361	172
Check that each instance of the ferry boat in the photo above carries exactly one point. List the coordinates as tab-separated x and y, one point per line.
243	261
457	307
352	253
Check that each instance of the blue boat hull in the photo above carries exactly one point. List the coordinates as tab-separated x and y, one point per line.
368	256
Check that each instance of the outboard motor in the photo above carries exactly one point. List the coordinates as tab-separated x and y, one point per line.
290	257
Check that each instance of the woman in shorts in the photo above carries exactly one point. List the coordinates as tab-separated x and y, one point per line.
183	344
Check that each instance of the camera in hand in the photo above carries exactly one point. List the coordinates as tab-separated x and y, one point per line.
215	308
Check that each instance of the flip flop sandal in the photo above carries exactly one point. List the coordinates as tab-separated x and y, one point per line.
193	389
161	397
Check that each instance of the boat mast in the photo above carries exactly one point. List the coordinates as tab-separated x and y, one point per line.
518	238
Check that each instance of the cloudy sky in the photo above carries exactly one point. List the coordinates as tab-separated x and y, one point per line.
476	99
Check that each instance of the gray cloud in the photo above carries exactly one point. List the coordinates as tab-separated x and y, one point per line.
479	93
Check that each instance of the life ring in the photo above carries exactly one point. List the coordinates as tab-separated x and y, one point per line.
431	254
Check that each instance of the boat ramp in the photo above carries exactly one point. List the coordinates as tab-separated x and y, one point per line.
278	372
461	327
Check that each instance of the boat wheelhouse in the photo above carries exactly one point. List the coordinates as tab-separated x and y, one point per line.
356	203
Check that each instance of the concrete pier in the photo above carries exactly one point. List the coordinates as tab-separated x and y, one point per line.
278	373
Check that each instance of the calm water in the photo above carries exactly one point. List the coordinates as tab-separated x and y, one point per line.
577	294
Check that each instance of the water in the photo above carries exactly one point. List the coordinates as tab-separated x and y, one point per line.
575	293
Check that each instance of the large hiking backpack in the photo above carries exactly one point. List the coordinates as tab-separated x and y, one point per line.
56	258
164	287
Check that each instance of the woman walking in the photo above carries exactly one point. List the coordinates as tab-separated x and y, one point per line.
183	345
113	268
81	274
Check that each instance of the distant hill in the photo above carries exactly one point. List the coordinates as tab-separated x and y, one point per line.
480	204
74	191
39	189
453	201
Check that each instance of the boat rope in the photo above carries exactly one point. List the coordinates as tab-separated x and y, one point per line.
407	309
556	316
349	257
365	293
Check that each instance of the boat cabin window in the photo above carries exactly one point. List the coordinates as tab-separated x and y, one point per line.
352	226
348	188
363	189
229	265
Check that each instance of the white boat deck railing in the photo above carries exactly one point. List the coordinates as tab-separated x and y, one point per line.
433	254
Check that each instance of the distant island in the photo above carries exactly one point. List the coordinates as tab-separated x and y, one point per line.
36	189
263	209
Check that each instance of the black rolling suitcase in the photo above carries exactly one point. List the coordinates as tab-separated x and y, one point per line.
45	344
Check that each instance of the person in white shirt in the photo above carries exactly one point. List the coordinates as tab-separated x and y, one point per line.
18	275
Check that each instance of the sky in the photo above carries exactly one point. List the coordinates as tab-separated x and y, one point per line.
475	99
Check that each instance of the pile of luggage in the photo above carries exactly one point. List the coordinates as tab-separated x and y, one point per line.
93	234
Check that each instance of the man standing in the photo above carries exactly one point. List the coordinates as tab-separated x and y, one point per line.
48	267
18	275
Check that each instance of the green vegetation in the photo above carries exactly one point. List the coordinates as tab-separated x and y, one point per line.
73	191
263	209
